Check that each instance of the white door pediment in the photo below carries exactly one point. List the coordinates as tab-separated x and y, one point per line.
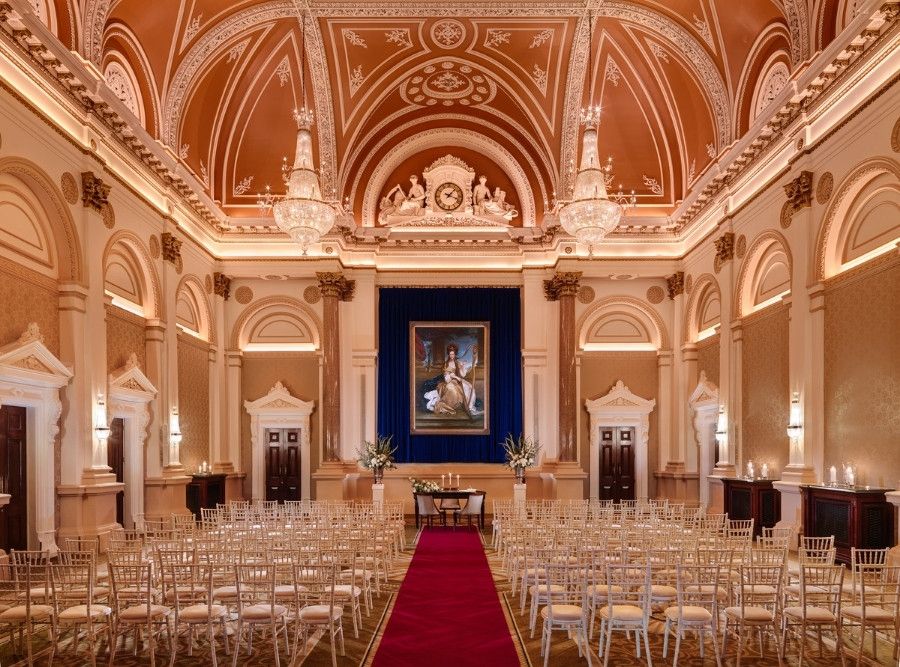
28	361
130	383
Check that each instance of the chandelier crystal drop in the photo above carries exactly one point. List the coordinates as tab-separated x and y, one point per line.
303	214
590	214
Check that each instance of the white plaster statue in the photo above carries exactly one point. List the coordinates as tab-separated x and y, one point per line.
411	203
481	194
497	205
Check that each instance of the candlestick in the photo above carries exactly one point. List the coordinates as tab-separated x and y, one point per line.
833	475
442	480
765	471
457	480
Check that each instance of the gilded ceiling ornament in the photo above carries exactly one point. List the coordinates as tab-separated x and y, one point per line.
562	284
222	285
312	294
244	295
171	248
741	247
94	192
448	33
586	294
825	187
447	83
69	188
655	294
155	250
334	284
675	284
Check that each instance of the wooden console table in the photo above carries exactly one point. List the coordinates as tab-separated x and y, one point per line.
753	499
857	517
451	493
205	492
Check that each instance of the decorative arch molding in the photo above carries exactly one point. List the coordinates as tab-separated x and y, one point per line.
32	377
278	409
648	316
447	138
153	303
95	15
701	289
774	41
774	77
149	91
743	295
65	235
130	394
797	15
240	333
197	292
704	403
836	221
620	407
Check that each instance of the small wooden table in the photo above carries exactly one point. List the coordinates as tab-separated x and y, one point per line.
856	516
450	493
205	492
753	499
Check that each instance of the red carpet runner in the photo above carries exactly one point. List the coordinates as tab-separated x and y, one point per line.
447	611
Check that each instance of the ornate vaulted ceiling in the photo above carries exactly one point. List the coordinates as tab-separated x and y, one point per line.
497	84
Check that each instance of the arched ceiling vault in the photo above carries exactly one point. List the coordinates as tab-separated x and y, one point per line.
675	78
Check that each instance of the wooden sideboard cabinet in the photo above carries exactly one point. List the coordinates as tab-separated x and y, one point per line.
857	517
753	499
205	492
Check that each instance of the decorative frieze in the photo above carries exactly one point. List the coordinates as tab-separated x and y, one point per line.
222	285
334	284
94	192
562	284
675	284
171	248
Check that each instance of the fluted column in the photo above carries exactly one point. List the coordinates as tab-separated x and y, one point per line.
335	288
563	287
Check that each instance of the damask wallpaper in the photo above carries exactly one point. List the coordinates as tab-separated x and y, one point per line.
124	335
766	395
708	359
193	401
25	301
599	373
862	376
299	373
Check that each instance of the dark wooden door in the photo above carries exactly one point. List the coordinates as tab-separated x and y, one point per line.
115	455
616	463
14	472
282	464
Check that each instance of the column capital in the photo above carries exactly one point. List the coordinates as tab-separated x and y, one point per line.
675	284
562	284
334	284
221	285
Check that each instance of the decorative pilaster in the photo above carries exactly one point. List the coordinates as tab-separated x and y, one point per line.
563	287
233	407
334	288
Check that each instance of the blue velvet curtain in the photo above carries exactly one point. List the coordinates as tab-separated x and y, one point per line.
397	307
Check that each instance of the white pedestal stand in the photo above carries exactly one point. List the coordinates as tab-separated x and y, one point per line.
378	495
519	495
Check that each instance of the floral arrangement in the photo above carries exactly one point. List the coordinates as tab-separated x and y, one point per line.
520	452
424	485
378	454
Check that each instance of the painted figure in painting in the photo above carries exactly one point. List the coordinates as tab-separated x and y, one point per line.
452	393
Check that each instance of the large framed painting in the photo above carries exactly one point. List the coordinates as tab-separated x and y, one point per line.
449	378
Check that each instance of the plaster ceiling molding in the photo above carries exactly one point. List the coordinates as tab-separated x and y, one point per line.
447	138
243	295
773	80
797	16
96	12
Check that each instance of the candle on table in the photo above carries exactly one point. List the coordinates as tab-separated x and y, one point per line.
442	480
833	475
765	471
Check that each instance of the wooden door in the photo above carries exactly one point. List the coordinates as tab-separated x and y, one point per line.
14	472
115	459
282	464
617	477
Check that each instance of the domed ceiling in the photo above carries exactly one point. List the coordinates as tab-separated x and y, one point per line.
397	85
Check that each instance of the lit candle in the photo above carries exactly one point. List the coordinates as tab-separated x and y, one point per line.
457	480
765	471
750	469
833	475
442	480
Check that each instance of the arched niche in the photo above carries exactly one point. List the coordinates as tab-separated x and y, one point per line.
130	394
278	409
704	403
620	407
192	311
129	275
622	323
862	220
276	324
765	275
704	309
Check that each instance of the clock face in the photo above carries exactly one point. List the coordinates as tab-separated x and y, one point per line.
449	196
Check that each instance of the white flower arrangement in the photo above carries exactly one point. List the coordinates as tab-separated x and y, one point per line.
424	486
520	452
378	454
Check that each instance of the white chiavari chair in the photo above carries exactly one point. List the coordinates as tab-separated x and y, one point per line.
879	608
696	608
75	608
627	608
136	606
258	609
819	606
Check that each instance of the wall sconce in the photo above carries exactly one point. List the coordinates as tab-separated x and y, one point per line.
795	422
174	428
721	426
101	427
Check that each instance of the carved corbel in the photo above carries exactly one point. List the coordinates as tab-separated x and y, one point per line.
94	192
799	194
675	284
222	285
171	247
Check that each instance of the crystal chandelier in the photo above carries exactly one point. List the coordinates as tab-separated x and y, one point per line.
302	213
591	214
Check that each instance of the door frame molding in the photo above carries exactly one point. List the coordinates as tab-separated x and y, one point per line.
31	377
130	394
278	409
621	407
